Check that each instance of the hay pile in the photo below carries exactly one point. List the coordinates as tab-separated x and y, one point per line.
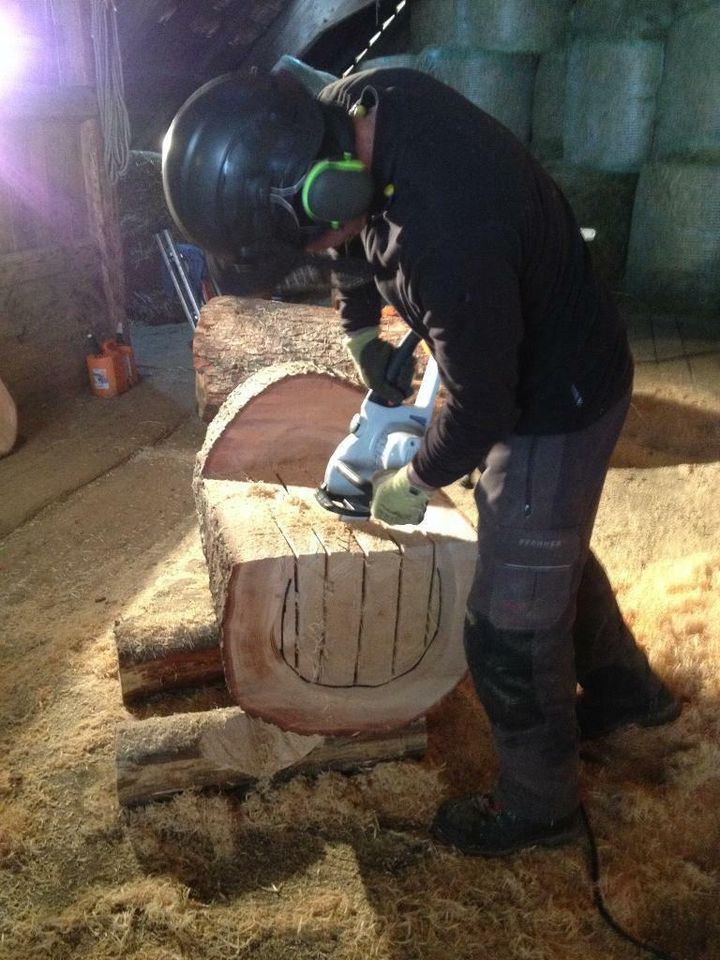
688	122
548	112
674	247
622	19
143	213
610	102
514	26
502	84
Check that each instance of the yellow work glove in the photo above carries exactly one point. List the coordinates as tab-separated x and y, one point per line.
371	356
396	500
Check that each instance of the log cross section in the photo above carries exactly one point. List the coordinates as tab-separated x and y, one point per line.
363	604
327	626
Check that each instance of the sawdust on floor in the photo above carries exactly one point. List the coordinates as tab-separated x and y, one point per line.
340	866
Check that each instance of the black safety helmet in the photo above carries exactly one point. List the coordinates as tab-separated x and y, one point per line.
234	160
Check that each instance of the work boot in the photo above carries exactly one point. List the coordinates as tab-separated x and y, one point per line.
478	827
597	717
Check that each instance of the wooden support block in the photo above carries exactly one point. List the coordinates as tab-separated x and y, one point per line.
169	638
226	748
168	658
327	626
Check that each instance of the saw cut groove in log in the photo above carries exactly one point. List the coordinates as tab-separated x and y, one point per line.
327	626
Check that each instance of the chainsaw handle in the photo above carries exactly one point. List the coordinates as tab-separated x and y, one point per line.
404	350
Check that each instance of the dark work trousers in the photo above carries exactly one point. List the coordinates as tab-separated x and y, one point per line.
542	615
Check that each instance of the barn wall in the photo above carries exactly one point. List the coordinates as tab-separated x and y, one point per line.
60	263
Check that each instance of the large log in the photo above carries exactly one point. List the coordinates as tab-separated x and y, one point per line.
226	748
326	626
237	337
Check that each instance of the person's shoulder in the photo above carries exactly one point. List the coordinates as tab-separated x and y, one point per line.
382	79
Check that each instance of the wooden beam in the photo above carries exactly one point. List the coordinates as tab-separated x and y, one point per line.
28	266
296	28
77	68
49	103
166	658
226	748
104	222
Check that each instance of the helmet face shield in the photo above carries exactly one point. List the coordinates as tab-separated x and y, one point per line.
233	158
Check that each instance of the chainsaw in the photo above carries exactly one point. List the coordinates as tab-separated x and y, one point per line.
383	436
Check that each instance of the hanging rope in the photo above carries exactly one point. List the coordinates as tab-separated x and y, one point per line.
110	88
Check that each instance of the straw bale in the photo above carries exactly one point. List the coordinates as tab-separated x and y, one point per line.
688	120
391	62
603	201
687	6
674	252
513	26
622	19
548	114
143	213
610	107
432	22
500	83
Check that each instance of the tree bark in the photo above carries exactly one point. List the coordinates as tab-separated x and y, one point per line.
237	337
168	637
226	748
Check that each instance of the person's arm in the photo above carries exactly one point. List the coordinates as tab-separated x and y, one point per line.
359	308
360	305
474	323
358	300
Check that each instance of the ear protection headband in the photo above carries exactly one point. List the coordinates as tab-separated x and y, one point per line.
336	191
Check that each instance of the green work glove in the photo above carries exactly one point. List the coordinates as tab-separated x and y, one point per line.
396	500
371	357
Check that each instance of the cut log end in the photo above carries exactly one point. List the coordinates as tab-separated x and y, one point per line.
327	627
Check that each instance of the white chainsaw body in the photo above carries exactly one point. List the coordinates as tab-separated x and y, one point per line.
380	438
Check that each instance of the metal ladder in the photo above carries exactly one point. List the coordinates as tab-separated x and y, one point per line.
178	274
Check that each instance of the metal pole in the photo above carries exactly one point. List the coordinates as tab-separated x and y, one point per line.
171	258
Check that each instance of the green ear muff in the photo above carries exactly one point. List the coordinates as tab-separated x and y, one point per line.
336	191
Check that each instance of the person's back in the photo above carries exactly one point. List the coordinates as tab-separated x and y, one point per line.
469	201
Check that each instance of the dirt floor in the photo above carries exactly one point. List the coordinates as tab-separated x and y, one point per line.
96	504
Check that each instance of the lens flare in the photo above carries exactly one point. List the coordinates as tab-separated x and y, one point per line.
15	48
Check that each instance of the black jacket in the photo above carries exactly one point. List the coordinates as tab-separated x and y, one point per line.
480	253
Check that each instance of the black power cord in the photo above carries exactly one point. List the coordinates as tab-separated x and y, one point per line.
599	900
